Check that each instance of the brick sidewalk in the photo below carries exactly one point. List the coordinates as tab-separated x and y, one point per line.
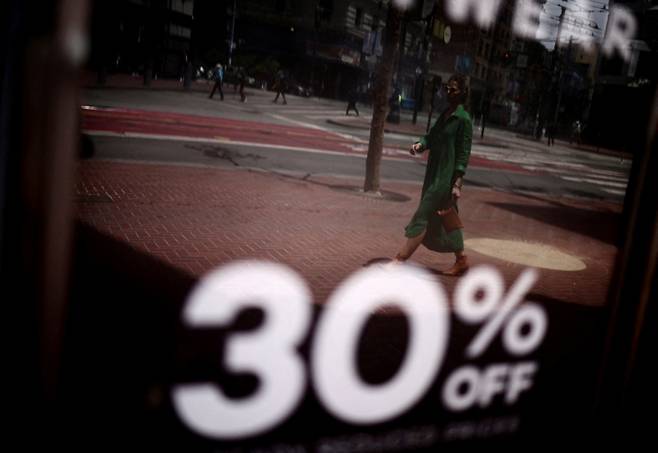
198	218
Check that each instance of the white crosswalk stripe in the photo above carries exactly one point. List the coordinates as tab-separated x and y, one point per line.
572	168
594	181
615	191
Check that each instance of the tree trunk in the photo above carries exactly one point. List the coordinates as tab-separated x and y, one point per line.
380	98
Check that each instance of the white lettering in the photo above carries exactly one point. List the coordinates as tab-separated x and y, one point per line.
468	386
269	352
527	23
486	11
334	353
516	339
461	390
619	33
526	18
493	383
402	5
520	380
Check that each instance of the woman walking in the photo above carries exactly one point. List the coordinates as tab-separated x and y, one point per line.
449	143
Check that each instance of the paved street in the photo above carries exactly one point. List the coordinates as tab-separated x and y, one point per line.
184	178
272	136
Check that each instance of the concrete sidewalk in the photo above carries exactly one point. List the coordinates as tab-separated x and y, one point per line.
198	218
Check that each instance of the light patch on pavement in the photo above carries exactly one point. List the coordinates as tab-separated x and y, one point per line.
526	253
319	128
615	192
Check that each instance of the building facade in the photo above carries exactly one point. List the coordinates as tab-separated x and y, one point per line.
146	37
331	46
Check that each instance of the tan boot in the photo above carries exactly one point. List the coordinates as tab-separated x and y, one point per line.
459	268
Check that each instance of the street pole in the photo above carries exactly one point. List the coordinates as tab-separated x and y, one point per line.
230	49
395	108
316	24
559	93
418	86
561	67
485	103
428	37
190	57
187	75
435	79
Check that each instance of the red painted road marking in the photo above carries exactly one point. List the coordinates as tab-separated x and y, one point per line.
120	120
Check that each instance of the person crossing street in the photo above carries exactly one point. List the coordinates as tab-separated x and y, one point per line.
281	86
351	102
218	76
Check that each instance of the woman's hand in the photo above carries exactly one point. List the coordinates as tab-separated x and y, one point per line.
415	148
457	188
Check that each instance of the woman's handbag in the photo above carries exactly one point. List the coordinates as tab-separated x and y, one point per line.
450	219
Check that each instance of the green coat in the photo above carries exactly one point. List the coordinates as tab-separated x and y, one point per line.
449	142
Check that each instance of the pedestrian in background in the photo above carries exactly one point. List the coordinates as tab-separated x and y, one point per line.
394	105
352	97
218	76
435	223
576	132
242	78
550	133
280	83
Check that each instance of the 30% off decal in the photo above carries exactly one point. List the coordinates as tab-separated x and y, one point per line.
271	351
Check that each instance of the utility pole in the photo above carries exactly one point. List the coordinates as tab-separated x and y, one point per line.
232	43
394	108
419	79
556	57
559	81
316	26
485	103
418	87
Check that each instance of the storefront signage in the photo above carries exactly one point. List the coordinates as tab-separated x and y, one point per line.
620	30
271	351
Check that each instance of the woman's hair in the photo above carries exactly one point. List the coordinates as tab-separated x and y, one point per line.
464	87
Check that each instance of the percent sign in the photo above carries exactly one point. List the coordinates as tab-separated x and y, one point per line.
500	311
